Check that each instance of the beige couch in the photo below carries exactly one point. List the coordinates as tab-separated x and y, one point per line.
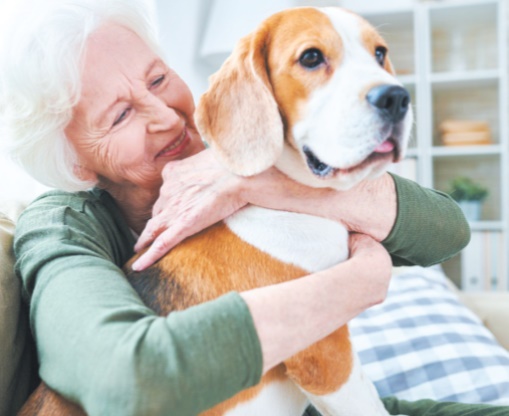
493	309
17	364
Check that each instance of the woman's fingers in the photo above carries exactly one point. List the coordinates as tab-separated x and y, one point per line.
163	243
149	234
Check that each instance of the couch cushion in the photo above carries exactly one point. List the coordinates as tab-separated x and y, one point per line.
16	355
493	310
422	342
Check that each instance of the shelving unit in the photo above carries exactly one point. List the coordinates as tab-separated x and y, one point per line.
452	57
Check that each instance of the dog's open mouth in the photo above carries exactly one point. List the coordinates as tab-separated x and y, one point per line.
387	151
316	165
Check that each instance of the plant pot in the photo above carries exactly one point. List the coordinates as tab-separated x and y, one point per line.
471	209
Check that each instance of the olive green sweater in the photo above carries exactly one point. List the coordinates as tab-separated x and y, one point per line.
100	346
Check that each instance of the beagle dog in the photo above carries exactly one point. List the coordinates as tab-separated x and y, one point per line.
312	92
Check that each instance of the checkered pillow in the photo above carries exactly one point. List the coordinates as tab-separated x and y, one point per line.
423	343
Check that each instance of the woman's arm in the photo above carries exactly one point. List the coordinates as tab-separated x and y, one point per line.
291	316
101	347
417	225
98	344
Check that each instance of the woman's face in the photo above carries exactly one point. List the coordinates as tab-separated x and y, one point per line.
134	114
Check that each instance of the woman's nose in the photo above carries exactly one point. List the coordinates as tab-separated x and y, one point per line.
160	116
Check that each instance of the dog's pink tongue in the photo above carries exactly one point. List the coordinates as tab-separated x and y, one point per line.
385	147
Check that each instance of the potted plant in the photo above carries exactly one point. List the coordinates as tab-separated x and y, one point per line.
469	195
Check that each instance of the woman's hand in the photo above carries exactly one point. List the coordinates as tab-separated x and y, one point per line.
373	267
196	193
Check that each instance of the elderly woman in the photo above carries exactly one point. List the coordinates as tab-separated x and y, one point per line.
94	110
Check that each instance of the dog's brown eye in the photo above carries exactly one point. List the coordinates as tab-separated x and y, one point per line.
311	58
380	54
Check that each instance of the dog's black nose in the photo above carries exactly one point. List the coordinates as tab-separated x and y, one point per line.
391	101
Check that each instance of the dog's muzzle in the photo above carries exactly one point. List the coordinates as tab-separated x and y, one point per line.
391	103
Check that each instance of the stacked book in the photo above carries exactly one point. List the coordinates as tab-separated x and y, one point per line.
465	133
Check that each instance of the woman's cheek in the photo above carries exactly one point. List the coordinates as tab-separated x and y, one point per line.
130	149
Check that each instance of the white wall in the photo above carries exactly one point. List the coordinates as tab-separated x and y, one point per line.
14	183
181	25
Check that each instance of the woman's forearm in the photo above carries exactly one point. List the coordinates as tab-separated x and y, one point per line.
418	226
369	208
291	316
100	345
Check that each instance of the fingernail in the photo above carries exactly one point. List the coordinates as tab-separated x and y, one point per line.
136	266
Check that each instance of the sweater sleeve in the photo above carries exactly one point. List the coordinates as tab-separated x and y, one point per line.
429	229
99	345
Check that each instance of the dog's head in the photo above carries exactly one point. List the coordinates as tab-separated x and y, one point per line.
313	92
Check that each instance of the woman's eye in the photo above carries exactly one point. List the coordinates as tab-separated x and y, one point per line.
311	58
158	81
121	117
380	54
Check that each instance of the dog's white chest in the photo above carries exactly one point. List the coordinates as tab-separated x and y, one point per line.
308	242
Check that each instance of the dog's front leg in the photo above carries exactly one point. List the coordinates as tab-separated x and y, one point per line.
357	397
330	374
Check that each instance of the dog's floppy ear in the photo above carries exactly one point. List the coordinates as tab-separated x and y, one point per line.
238	116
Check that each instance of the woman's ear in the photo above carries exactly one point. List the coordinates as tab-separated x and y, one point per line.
238	116
85	174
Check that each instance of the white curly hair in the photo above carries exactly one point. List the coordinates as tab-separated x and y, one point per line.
40	71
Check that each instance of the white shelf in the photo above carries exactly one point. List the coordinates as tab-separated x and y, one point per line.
452	151
463	79
453	75
487	226
460	5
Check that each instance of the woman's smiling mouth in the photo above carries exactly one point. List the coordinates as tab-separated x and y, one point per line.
175	147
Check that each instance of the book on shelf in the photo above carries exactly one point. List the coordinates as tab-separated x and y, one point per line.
484	263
